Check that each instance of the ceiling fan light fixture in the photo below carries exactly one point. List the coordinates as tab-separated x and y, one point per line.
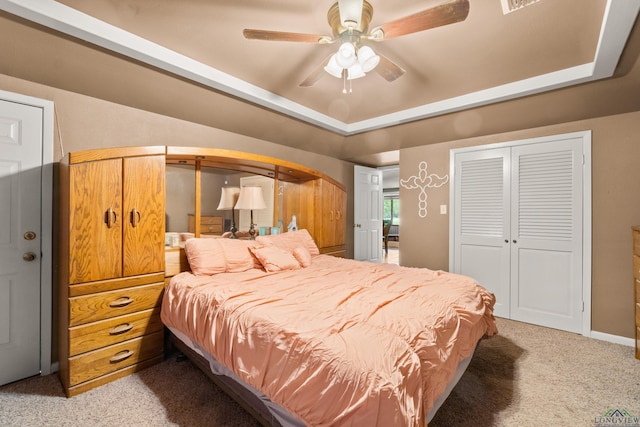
333	68
355	72
346	55
350	13
367	58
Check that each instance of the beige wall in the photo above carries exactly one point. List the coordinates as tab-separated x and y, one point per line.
615	208
84	122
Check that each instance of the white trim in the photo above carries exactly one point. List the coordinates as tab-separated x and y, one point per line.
46	239
617	24
616	339
586	211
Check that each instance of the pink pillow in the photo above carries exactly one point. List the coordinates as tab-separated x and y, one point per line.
205	256
273	258
237	255
209	256
303	256
290	240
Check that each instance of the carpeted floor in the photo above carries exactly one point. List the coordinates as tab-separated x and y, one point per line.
526	376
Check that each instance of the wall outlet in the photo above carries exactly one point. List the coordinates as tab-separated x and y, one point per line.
443	209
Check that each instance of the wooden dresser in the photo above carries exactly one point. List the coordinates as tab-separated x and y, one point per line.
636	284
111	264
209	224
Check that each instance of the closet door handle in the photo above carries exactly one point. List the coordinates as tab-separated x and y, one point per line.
135	217
119	357
121	302
110	217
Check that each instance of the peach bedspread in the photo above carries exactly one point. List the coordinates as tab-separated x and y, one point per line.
340	342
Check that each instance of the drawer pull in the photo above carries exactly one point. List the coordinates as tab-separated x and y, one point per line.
121	302
121	329
119	357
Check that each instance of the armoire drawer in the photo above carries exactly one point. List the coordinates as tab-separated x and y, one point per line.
104	305
109	359
92	336
210	220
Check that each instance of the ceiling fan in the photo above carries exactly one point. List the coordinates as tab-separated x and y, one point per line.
349	21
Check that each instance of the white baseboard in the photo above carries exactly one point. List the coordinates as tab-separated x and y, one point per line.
616	339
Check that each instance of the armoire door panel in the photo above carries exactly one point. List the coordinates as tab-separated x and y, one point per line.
95	218
144	211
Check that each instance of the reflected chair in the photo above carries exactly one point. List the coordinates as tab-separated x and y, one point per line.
386	226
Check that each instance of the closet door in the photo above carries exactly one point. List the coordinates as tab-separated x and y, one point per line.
482	198
546	234
518	218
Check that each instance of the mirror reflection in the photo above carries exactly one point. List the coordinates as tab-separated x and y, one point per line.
215	218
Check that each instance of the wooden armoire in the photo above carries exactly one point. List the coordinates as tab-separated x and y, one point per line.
112	248
111	264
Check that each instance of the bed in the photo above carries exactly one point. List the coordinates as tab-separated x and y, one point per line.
310	339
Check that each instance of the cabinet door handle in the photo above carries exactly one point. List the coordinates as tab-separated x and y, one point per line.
135	217
119	357
121	302
110	217
121	329
330	215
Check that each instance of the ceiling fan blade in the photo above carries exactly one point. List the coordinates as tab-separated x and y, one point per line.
388	69
444	14
316	74
282	36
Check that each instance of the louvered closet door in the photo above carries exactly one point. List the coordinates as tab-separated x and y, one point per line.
482	218
518	228
546	234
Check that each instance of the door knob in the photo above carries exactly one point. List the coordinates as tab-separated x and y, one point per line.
28	256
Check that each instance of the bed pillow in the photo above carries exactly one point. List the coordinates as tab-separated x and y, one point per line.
205	256
274	258
303	256
290	241
238	256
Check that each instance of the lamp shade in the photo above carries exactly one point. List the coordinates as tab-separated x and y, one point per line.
333	68
251	198
355	72
367	58
346	55
228	198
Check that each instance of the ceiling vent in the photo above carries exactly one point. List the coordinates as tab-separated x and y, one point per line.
509	6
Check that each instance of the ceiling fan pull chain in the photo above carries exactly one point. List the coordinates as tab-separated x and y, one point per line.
344	81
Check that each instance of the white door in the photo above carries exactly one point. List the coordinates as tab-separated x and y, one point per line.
481	212
546	234
368	210
518	228
20	238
